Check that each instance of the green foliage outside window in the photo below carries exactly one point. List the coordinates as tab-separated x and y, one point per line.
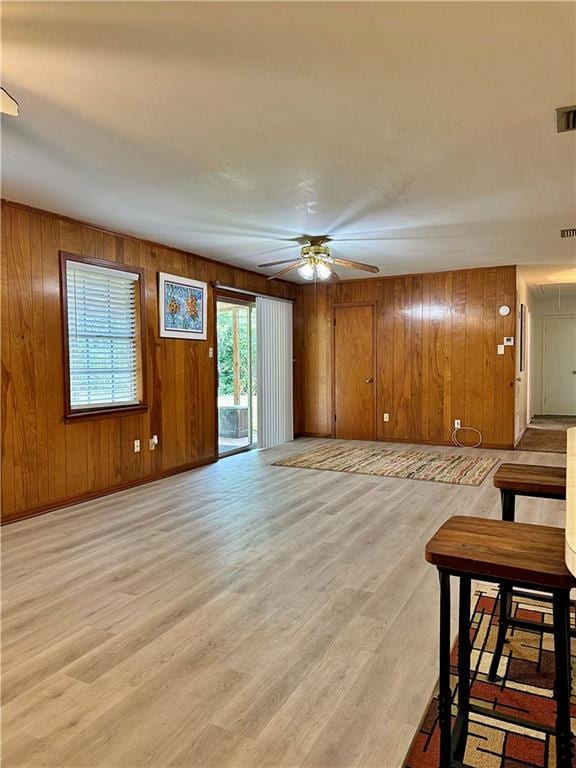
225	352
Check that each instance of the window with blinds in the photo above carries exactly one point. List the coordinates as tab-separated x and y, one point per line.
104	345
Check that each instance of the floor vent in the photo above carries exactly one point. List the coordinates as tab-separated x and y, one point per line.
568	232
565	119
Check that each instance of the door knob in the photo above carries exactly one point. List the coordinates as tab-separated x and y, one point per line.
370	380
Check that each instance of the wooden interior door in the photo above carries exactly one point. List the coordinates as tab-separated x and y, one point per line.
354	374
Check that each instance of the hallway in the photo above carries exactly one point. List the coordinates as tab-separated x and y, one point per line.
547	434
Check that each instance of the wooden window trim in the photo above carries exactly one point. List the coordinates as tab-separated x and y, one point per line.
107	411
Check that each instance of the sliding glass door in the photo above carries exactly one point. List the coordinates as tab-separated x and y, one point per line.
236	343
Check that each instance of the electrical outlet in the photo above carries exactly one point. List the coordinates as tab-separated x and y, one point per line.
457	424
136	446
153	442
210	351
386	417
500	349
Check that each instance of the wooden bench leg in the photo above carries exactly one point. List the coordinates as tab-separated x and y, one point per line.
444	691
464	652
505	604
561	609
508	501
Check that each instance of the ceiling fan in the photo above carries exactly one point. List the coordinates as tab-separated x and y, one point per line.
315	261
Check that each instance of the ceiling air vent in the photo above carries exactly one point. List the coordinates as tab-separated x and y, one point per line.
565	119
568	232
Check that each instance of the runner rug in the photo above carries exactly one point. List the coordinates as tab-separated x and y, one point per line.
458	469
525	690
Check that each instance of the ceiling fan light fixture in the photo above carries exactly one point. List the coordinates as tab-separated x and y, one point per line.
306	271
316	261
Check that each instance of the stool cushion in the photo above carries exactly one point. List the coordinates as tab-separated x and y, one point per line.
532	478
502	551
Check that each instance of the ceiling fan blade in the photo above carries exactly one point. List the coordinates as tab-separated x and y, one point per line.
286	269
356	265
367	239
275	263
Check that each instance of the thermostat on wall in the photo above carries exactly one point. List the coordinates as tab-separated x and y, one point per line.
504	310
508	341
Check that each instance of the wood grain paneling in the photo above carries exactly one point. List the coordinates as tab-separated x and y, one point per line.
435	361
354	374
436	351
48	463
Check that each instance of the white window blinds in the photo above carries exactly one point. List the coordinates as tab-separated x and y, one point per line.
274	334
103	338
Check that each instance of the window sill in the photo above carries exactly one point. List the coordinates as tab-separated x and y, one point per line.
104	413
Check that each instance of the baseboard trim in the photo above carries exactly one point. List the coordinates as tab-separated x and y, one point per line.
407	440
496	446
43	509
520	436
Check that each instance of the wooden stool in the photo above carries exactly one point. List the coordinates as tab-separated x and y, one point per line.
512	553
528	480
522	480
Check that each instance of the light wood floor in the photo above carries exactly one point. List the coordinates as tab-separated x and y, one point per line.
238	616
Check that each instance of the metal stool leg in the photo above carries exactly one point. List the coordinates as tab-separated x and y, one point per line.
563	686
505	609
508	500
444	693
464	651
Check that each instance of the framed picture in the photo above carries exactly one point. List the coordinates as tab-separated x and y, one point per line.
183	303
522	337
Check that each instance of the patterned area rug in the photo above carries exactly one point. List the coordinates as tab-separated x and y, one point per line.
527	670
415	465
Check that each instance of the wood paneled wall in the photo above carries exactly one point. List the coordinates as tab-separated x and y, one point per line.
436	350
47	462
436	360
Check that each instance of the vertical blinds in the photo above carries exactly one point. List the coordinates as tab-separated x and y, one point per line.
103	344
274	334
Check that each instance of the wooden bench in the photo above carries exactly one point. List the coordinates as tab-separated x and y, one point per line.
531	556
528	480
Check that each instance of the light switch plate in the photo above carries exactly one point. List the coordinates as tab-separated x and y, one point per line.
500	349
386	417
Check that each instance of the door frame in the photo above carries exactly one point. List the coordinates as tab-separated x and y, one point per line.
348	305
545	318
250	302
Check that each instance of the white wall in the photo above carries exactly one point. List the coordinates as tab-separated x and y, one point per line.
543	306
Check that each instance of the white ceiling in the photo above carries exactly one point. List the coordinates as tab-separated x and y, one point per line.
558	291
425	130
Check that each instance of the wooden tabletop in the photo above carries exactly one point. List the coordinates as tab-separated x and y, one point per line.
530	554
532	478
